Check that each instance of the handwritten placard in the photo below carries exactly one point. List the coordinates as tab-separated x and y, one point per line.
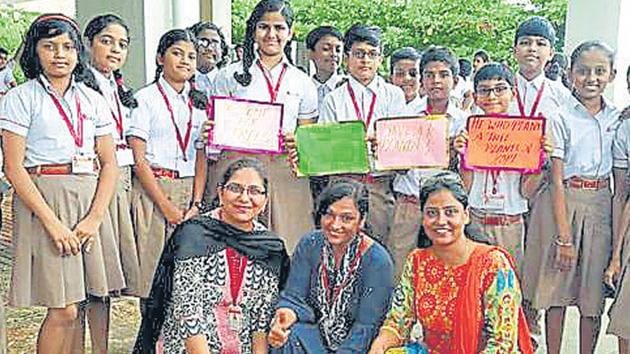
328	149
246	126
405	143
504	143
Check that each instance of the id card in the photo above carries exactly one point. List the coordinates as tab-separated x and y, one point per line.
493	201
83	165
235	318
124	156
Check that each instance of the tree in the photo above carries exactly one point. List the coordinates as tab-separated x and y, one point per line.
13	25
463	25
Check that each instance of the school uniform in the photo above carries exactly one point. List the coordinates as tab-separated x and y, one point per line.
6	77
324	88
620	308
383	100
173	163
120	206
318	183
290	202
403	236
497	208
205	82
540	220
41	277
584	143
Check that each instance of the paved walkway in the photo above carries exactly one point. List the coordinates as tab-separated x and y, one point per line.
570	345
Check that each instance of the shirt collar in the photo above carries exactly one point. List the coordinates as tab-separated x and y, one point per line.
373	86
48	86
171	93
104	81
331	83
536	82
284	61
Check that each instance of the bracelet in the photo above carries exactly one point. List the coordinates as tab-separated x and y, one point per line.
562	243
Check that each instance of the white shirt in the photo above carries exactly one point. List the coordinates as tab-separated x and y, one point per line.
109	89
553	99
409	182
621	145
507	200
323	89
151	122
6	77
297	91
205	82
585	142
29	111
338	106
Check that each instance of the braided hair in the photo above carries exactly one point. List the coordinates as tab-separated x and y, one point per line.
93	28
168	39
264	6
49	26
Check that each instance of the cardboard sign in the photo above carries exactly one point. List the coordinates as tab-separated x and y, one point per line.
417	142
504	143
327	149
246	126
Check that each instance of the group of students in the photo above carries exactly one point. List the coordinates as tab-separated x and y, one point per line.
115	189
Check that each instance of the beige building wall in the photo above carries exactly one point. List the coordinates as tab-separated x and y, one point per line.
609	21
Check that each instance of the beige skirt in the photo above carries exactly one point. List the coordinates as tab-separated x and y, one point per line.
150	227
290	207
619	324
41	277
120	213
589	214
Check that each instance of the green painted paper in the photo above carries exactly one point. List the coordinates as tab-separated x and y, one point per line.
327	149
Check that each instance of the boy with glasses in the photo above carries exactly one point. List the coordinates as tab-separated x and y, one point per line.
438	70
367	97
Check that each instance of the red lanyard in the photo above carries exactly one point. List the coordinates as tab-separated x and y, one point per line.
78	135
332	294
183	142
119	119
521	106
236	267
495	180
358	111
273	91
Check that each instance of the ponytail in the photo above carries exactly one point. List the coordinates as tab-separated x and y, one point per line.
198	98
158	73
126	96
245	78
83	74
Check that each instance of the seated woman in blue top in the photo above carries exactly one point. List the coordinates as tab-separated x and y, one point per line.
340	282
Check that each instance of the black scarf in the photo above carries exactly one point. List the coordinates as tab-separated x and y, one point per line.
199	237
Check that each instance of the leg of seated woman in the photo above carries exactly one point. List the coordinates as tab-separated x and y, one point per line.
554	327
303	339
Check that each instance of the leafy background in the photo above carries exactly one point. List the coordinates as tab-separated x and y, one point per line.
463	25
13	25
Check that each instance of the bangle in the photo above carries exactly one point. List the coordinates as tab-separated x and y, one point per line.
561	243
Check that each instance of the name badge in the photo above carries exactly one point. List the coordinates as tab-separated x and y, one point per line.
494	202
124	156
235	318
83	165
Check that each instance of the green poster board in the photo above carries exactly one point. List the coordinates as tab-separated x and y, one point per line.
327	149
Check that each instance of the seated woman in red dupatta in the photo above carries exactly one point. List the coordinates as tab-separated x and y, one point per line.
465	294
219	276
